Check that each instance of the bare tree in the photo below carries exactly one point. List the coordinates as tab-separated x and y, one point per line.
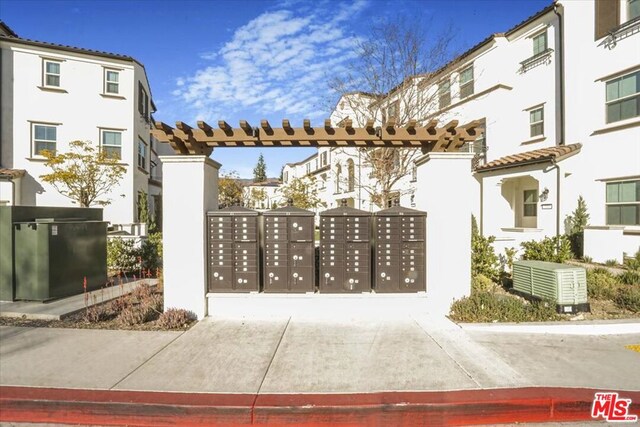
387	82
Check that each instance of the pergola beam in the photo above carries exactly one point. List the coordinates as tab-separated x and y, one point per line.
201	140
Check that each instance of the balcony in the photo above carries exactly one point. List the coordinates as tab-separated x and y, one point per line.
543	57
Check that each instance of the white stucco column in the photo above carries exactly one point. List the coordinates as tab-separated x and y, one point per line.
446	192
190	189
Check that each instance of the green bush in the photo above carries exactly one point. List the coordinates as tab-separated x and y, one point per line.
484	260
121	255
633	263
551	249
630	277
601	284
611	263
628	297
491	307
576	222
481	283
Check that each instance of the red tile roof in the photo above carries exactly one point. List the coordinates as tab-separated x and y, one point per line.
528	157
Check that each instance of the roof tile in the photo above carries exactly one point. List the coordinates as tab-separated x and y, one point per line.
534	156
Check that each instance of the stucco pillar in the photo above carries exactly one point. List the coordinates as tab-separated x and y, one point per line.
190	189
446	192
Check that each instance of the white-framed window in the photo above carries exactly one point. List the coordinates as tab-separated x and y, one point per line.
323	158
285	177
466	82
50	73
308	166
111	81
623	203
338	177
536	122
633	9
530	203
323	181
539	43
414	173
142	154
111	143
153	169
444	94
44	137
623	97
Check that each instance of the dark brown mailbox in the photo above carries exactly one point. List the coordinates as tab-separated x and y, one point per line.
345	250
232	236
288	254
400	255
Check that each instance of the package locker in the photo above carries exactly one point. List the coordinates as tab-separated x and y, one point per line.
233	250
289	250
345	250
399	250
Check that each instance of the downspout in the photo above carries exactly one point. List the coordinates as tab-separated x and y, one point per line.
557	7
556	166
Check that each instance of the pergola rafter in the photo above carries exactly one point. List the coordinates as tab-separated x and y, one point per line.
185	139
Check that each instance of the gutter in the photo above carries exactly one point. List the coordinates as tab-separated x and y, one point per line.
556	166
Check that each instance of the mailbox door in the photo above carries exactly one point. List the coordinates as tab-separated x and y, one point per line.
331	266
358	266
357	229
301	279
275	229
275	279
220	279
413	265
301	229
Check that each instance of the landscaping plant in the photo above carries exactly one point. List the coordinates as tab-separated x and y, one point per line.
576	222
176	318
484	260
601	284
550	249
494	307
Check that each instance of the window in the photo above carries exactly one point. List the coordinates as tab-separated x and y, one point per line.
286	177
44	138
143	101
536	122
111	82
444	94
153	166
466	82
530	207
111	142
414	173
308	166
623	97
539	43
623	203
323	158
315	164
391	111
142	154
51	74
351	175
393	199
633	9
338	176
323	181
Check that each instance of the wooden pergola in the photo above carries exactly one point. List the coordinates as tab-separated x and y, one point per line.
201	140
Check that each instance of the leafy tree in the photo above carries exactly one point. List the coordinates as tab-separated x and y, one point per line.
229	190
575	224
302	192
260	171
256	196
85	174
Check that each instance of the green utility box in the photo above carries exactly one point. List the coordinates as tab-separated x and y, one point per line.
564	284
46	252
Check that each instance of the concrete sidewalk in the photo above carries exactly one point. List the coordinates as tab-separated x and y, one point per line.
254	357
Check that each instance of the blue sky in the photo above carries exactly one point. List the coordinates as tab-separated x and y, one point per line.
236	59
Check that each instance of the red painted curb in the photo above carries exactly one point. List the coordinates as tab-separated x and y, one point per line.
143	408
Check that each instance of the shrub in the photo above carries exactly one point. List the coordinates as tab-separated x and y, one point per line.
484	260
489	307
576	222
630	277
628	297
176	318
601	284
611	263
551	249
121	255
151	252
481	283
587	259
633	263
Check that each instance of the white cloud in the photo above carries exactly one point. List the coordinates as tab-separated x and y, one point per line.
276	64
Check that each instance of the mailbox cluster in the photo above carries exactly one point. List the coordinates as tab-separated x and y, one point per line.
399	250
233	250
345	250
289	251
286	263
